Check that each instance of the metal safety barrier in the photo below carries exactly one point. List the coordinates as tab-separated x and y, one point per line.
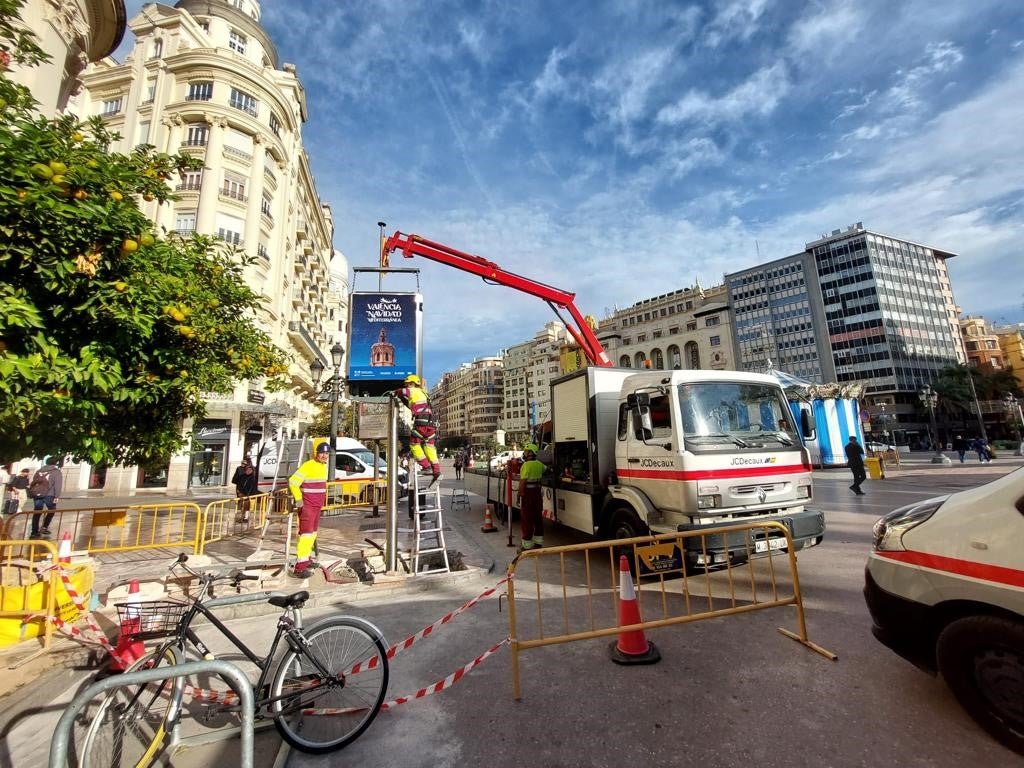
227	671
350	494
21	589
674	593
119	529
229	516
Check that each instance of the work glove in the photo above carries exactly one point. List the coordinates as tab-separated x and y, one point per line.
296	506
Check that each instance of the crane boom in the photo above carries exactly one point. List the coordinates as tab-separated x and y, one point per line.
581	332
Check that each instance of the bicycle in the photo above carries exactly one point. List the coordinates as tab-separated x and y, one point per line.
324	692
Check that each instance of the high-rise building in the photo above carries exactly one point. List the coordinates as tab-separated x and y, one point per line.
204	78
467	402
73	33
855	305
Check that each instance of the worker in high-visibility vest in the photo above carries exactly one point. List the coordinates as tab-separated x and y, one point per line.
531	500
308	487
421	441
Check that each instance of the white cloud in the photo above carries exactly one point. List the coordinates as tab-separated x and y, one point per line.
627	83
759	95
736	19
823	33
906	92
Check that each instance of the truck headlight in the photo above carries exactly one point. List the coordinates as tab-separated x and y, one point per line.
803	491
709	501
888	531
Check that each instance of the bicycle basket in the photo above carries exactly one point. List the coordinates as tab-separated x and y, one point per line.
146	621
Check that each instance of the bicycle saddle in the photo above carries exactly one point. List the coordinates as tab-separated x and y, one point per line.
294	600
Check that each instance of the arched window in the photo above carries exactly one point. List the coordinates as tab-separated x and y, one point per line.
692	356
638	359
624	362
675	360
657	360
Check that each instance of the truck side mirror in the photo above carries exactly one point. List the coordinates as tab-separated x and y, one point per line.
642	420
807	424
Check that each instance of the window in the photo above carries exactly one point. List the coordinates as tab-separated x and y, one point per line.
201	90
716	341
234	187
235	238
691	325
262	252
144	132
158	49
185	222
112	106
237	41
191	180
244	101
198	134
150	91
710	321
266	207
275	124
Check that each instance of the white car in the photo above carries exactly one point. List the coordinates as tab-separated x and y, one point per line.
945	588
878	447
499	461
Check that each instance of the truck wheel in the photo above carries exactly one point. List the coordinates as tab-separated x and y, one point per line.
625	524
982	660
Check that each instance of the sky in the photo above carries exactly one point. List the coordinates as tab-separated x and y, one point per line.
620	150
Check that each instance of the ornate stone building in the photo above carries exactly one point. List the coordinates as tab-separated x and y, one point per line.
73	33
205	78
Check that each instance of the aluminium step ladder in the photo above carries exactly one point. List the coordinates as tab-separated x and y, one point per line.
428	530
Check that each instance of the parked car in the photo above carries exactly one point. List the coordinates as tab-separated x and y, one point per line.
945	588
498	461
878	447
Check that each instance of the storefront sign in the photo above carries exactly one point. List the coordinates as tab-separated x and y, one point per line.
214	431
256	396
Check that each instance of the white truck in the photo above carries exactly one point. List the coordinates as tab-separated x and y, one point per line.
633	452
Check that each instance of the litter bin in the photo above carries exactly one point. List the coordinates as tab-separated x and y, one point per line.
875	467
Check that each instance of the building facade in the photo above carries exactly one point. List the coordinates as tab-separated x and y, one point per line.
981	343
1011	344
687	329
467	402
73	33
204	78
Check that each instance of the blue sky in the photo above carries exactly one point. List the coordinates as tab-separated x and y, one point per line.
624	149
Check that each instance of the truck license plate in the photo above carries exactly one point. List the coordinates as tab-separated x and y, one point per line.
763	546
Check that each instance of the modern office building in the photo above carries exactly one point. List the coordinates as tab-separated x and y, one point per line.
688	329
204	78
73	33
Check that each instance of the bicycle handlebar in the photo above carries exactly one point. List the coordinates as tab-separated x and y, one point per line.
209	578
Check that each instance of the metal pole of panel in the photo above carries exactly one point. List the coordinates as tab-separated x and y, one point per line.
977	405
332	464
391	528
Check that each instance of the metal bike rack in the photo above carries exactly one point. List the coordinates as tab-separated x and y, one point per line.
229	672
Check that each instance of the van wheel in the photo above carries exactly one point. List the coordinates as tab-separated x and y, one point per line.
982	660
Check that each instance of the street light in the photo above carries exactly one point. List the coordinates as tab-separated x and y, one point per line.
332	387
1014	415
929	399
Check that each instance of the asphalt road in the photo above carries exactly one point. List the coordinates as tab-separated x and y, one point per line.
731	691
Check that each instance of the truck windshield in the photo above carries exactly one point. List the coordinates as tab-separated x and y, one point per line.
727	414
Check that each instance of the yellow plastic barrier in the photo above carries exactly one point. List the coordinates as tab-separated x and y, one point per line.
39	597
875	467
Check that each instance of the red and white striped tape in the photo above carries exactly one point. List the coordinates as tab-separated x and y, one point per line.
429	690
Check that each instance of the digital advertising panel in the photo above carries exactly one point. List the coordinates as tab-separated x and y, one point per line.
384	337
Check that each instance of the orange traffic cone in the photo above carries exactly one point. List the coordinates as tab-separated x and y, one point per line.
632	647
488	526
64	551
129	648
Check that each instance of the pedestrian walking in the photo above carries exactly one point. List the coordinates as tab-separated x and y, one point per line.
980	446
459	458
960	446
531	501
13	490
246	485
424	431
855	460
44	490
308	487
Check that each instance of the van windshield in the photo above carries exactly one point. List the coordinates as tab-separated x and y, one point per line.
726	414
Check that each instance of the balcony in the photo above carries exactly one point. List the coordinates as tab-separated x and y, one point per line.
248	107
234	194
238	154
189	186
301	229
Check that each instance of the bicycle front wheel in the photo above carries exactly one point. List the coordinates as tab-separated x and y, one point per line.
129	727
317	712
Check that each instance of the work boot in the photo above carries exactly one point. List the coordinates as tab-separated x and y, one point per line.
301	571
435	480
526	544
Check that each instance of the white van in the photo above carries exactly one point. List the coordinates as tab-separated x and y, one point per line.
945	588
353	461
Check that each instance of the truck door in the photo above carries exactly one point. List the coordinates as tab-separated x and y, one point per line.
650	458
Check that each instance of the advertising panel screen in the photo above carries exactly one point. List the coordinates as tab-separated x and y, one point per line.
384	340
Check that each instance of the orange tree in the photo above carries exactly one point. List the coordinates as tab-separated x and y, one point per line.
110	332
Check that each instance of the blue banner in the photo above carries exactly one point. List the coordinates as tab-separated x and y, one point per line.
384	336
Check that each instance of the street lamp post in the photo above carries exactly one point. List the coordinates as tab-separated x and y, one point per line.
929	399
1016	417
333	387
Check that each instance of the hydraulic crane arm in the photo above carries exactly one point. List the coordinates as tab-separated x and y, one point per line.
581	332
